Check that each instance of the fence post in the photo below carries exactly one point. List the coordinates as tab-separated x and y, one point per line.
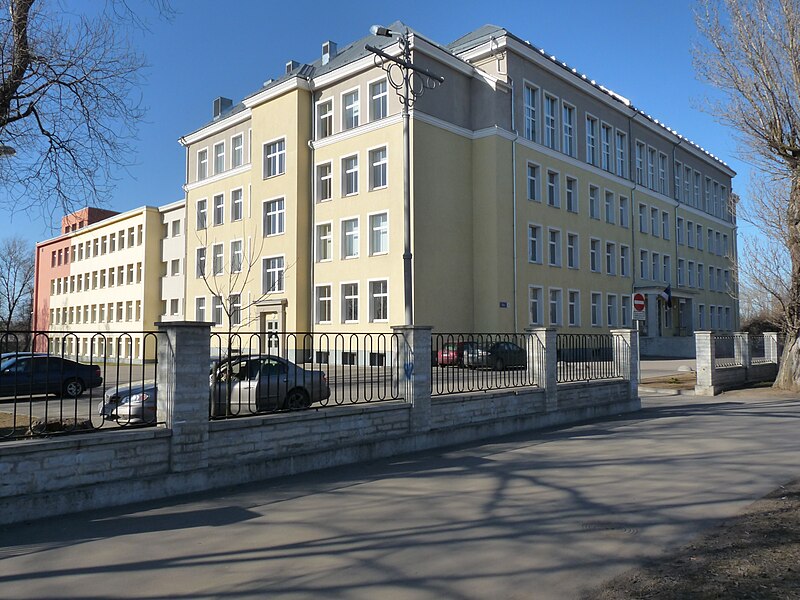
742	349
705	353
184	350
542	355
771	347
626	358
415	372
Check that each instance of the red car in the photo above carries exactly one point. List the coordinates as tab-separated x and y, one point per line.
452	353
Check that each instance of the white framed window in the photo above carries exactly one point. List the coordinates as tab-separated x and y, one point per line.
710	244
642	218
612	310
610	208
236	256
697	189
324	242
611	258
594	202
534	244
655	263
654	221
594	255
274	158
218	259
323	312
568	128
553	189
718	244
535	304
200	263
199	309
324	119
591	140
690	271
573	251
596	308
202	164
725	249
662	174
665	233
235	303
533	183
572	194
551	121
174	269
667	261
626	311
624	261
677	169
644	262
176	231
237	151
681	272
573	308
651	168
350	302
378	168
622	154
556	306
687	186
202	218
219	209
272	274
351	110
605	147
378	300
324	182
679	230
219	158
378	100
350	238
624	212
350	175
379	233
531	100
237	205
216	310
640	150
700	274
274	217
701	316
554	247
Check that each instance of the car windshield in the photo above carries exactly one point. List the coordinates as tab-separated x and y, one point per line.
6	363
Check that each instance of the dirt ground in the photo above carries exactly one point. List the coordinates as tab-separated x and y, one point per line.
679	381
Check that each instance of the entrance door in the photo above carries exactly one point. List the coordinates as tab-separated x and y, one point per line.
273	340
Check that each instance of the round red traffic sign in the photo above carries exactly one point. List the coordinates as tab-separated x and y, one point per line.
638	301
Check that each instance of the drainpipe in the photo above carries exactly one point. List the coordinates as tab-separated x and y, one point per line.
312	212
514	202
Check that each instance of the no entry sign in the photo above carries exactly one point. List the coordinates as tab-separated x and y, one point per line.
638	306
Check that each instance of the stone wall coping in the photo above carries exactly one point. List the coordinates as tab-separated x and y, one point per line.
486	395
80	441
183	324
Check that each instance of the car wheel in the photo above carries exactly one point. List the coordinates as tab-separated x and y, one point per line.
499	365
297	399
72	388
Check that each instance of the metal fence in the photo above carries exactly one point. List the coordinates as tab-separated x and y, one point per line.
757	350
725	354
256	373
591	356
472	362
67	382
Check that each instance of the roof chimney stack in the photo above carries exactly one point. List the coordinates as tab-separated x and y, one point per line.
221	105
328	51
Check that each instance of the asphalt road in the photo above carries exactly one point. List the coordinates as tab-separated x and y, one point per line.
536	516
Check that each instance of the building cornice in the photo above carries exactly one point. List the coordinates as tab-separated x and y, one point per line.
215	178
356	131
295	83
214	128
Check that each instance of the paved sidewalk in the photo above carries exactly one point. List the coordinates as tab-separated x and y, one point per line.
542	515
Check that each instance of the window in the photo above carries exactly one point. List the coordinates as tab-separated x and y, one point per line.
679	230
324	119
237	151
351	110
535	305
202	220
643	263
219	209
274	217
574	308
710	244
611	310
699	237
701	316
216	310
272	274
200	309
568	127
676	186
691	272
572	195
651	168
236	256
378	162
533	183
656	265
274	158
378	106
350	238
624	261
654	221
324	242
553	190
350	177
556	306
202	164
700	274
667	269
687	185
640	163
718	244
235	302
176	231
591	140
200	261
174	269
554	247
573	251
643	218
379	300
237	205
217	251
697	189
624	212
626	311
662	173
219	158
379	233
531	107
350	302
597	299
622	154
594	255
610	209
534	244
605	147
324	178
611	258
594	202
550	117
665	225
681	272
724	250
323	304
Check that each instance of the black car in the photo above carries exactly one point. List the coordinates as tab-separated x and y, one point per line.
27	373
497	355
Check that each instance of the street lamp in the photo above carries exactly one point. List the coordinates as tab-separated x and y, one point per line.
410	82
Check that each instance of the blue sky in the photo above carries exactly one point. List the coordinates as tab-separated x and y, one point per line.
639	48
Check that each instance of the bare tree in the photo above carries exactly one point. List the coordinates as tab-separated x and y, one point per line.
16	283
751	53
68	101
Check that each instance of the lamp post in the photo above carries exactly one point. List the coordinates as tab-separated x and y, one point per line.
410	82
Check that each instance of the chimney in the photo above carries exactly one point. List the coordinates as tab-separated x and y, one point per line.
221	105
328	51
291	66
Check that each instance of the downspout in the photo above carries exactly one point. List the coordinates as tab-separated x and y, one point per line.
514	201
312	212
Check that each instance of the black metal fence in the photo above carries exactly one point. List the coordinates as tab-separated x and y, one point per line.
67	382
472	362
757	349
725	354
591	356
255	373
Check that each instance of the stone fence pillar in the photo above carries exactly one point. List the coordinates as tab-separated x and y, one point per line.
543	362
626	358
741	348
771	347
705	353
415	372
184	350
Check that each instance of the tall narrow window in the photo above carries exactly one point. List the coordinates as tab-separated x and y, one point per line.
379	300
237	151
534	244
379	233
573	251
624	212
200	268
216	310
324	119
533	183
622	154
568	126
610	208
202	164
324	242
605	147
219	209
378	168
676	186
351	110
350	238
651	168
202	219
591	140
324	178
323	311
596	314
218	257
594	202
640	163
199	310
550	117
554	247
574	308
219	158
556	306
553	190
378	105
594	255
236	256
272	274
350	175
535	305
531	114
662	174
237	205
235	301
572	194
350	302
274	158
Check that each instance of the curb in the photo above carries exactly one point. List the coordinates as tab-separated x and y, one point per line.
665	391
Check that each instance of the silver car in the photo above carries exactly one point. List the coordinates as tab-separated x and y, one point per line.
238	385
